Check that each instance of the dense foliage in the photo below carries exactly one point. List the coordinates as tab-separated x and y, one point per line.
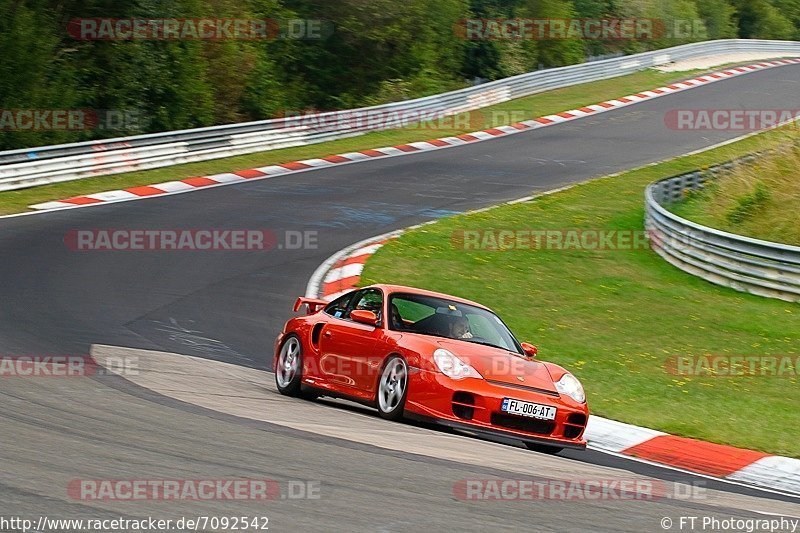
375	51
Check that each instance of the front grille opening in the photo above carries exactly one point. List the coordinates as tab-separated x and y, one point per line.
463	405
574	426
578	419
519	423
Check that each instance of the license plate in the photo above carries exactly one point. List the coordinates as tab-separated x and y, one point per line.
530	409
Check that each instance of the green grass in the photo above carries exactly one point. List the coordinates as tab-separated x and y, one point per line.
515	110
615	317
760	199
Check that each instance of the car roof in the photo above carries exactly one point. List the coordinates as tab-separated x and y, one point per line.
413	290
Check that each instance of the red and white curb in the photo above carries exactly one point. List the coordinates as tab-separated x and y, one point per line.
714	460
195	183
342	272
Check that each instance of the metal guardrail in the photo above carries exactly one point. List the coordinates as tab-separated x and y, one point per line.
49	164
748	265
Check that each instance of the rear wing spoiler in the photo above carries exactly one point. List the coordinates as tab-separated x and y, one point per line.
312	304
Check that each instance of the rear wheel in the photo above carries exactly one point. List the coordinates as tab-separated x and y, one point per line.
393	388
289	370
543	448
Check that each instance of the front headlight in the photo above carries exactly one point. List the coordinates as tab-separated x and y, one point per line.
453	367
569	385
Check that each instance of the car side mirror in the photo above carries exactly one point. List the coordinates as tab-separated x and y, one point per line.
530	350
363	316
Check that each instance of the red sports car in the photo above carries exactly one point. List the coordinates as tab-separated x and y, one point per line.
419	354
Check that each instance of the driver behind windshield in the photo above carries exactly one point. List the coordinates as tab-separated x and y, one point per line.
459	328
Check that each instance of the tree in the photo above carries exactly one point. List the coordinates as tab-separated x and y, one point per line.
719	18
370	51
35	71
759	19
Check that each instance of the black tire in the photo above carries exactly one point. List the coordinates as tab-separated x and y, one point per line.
543	448
392	389
309	393
289	367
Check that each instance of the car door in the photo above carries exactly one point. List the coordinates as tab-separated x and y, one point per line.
349	354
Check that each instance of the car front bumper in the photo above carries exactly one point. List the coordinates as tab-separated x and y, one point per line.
474	405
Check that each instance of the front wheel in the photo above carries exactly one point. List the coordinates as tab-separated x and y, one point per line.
393	388
543	448
289	370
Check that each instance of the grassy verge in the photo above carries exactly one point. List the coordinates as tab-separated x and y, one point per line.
615	317
760	199
520	109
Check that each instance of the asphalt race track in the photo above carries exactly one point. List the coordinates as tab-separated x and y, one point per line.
228	306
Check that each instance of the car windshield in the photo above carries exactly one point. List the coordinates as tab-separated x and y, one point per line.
429	315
